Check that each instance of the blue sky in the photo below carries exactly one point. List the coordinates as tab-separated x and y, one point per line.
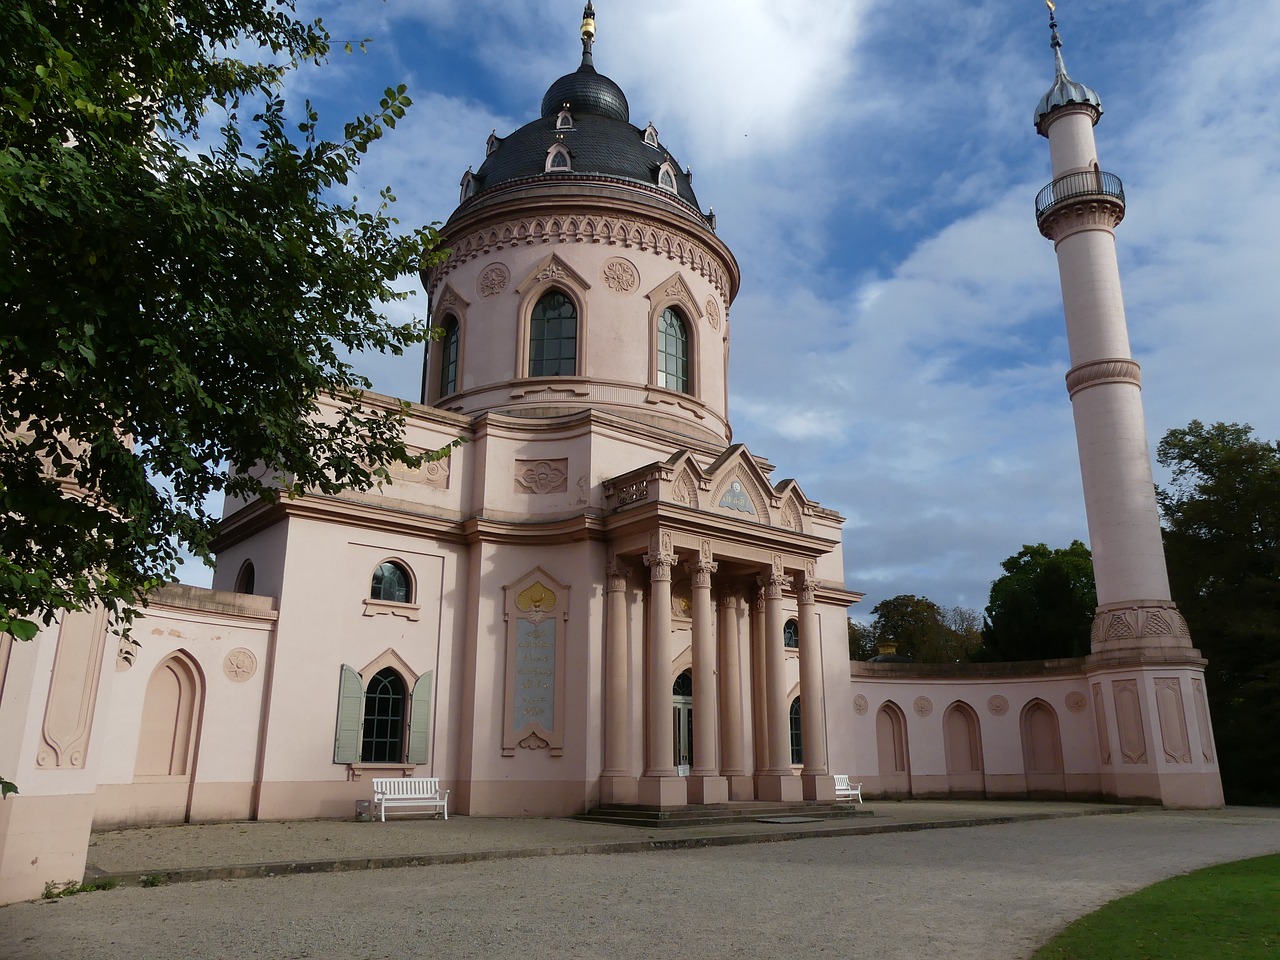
898	344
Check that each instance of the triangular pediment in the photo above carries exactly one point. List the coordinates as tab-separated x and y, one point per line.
552	269
449	299
739	486
675	290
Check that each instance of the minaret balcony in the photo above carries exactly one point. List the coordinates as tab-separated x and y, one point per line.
1084	187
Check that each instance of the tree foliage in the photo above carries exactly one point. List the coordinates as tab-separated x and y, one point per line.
1222	541
925	632
862	640
181	285
1042	608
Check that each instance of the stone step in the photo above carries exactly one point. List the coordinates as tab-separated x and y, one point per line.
702	815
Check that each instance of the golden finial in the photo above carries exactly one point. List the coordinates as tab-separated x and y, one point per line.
589	23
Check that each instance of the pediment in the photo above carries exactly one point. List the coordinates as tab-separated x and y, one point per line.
449	299
739	486
675	290
552	269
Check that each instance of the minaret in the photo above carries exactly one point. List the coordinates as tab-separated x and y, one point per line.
1154	736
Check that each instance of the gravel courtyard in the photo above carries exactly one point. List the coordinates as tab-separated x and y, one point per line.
979	893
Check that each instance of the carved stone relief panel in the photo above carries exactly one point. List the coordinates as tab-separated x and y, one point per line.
1202	721
685	491
860	705
1133	738
923	706
1100	723
542	476
1076	701
240	665
998	705
713	314
1173	720
536	615
433	473
73	690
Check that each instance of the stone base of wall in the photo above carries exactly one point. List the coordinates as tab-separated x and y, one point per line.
42	840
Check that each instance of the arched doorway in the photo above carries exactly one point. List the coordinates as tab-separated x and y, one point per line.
169	737
682	722
1042	750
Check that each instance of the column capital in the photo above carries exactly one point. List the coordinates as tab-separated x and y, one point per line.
660	565
772	585
700	571
616	576
808	583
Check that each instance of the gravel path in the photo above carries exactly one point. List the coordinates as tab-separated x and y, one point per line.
982	893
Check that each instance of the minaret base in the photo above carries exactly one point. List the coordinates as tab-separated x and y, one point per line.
1151	716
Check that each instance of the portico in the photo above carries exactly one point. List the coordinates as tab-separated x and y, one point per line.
710	582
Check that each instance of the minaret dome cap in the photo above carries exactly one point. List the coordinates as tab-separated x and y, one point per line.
1065	91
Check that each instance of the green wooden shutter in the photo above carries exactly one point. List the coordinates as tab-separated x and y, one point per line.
346	742
420	719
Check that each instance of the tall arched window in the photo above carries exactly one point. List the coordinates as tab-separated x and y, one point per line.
791	635
797	741
170	720
449	357
553	337
391	582
673	351
245	579
384	702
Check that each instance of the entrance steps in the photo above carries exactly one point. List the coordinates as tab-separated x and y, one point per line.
746	811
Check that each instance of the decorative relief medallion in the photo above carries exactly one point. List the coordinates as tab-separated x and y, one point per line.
713	314
1077	701
998	705
542	476
923	706
537	602
621	275
493	280
860	705
240	664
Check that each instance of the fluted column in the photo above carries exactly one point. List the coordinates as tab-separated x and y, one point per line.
617	727
777	783
815	779
659	786
732	742
705	783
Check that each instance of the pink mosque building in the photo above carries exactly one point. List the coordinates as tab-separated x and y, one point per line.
537	619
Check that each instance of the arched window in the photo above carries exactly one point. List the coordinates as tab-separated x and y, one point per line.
791	635
797	748
384	715
553	337
673	351
558	159
564	121
170	720
245	578
651	135
667	180
449	356
391	582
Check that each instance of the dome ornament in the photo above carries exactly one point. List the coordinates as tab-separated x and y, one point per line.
1065	91
588	31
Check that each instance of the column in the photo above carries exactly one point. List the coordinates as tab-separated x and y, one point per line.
815	779
732	745
759	693
659	786
617	785
777	782
705	783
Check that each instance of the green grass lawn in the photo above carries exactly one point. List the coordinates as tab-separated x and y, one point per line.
1231	912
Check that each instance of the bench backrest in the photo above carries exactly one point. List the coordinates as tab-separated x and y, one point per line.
426	787
842	781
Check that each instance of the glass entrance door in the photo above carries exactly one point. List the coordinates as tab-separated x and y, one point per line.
682	722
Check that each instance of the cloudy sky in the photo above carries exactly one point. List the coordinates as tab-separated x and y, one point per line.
898	344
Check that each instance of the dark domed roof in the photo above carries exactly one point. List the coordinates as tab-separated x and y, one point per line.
586	92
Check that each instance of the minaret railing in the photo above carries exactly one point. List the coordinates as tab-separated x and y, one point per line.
1073	187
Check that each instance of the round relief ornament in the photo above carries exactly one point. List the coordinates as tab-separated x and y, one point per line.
998	705
493	280
240	664
1076	701
621	275
923	706
860	705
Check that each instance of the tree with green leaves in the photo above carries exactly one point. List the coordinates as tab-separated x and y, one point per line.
1043	606
1221	517
182	281
925	632
862	640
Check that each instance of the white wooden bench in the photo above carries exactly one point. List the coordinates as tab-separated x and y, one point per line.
846	790
408	792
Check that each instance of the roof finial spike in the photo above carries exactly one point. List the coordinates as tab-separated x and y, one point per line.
588	33
1056	41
